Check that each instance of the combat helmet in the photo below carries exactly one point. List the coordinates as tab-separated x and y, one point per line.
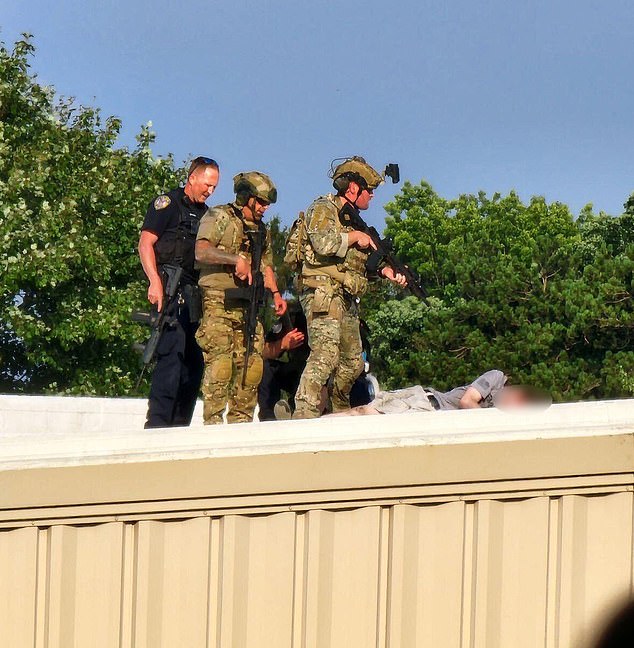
256	184
354	169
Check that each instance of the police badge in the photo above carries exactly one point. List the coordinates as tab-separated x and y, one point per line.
162	202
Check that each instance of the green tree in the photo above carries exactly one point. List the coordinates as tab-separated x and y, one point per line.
522	287
279	233
71	206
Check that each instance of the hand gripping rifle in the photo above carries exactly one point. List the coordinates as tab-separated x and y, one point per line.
158	321
384	253
252	296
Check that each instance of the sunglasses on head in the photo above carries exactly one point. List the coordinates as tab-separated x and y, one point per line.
201	160
205	160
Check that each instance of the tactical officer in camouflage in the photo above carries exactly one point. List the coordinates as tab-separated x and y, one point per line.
223	254
333	277
168	237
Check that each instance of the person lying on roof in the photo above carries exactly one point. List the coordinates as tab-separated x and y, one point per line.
488	390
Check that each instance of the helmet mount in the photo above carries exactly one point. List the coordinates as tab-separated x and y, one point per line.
343	171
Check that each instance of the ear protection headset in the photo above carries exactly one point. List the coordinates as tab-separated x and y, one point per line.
342	182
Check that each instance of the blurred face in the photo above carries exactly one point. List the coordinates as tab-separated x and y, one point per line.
255	208
359	197
517	396
202	183
511	397
514	397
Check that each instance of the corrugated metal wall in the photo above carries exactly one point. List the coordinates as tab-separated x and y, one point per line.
475	572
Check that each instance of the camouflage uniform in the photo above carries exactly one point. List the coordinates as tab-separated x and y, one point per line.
332	279
221	333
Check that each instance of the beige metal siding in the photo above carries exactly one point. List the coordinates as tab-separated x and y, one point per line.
486	574
427	577
171	581
18	586
594	558
254	589
506	544
83	566
341	561
508	568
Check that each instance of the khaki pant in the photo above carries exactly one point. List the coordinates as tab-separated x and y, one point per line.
221	338
401	401
335	349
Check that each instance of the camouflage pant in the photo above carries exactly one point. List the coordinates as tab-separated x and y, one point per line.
335	350
221	337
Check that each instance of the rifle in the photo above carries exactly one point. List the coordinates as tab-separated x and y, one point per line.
253	295
287	324
384	252
159	320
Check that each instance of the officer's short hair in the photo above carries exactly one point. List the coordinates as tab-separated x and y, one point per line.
202	161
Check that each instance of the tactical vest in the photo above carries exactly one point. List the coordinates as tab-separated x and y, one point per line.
231	233
177	244
235	238
350	271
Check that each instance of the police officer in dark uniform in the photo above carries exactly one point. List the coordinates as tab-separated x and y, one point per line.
168	238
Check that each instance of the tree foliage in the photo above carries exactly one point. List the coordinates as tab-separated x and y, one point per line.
279	234
71	205
521	287
525	288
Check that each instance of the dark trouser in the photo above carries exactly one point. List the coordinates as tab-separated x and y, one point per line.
177	375
277	377
361	394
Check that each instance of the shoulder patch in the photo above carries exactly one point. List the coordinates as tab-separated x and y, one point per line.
162	202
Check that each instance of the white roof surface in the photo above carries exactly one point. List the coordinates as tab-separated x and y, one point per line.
39	431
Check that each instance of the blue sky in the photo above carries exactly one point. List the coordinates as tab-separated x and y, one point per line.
536	96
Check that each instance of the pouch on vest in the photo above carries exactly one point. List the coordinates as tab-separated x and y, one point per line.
294	256
355	284
322	298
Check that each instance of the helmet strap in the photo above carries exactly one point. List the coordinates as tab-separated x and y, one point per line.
351	202
354	202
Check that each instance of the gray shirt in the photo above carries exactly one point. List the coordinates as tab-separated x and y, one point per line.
488	385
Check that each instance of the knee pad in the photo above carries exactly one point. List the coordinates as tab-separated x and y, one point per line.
221	369
254	372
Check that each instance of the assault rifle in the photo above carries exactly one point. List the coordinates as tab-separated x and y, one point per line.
252	296
159	320
384	252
